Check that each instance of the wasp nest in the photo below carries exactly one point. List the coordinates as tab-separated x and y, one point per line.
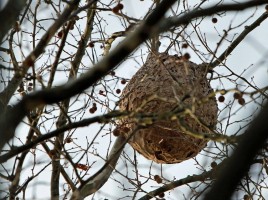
168	84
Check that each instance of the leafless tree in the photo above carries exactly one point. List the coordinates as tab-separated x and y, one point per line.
64	66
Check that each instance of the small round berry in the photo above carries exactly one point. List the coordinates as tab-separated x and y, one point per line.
237	95
184	45
95	108
186	56
123	81
112	73
60	34
266	8
94	105
116	132
101	92
68	140
158	179
241	101
115	10
120	6
161	195
91	44
118	91
214	20
213	164
92	110
221	98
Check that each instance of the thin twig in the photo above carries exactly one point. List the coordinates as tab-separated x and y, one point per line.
240	38
9	121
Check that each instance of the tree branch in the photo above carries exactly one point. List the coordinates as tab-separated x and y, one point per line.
240	38
140	117
147	29
95	182
9	121
10	14
30	59
186	180
85	122
168	23
211	174
252	141
62	119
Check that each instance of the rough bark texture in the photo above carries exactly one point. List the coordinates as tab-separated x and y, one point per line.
163	84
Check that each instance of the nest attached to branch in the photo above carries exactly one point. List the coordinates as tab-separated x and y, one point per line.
168	84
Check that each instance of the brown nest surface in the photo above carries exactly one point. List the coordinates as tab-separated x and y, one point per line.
168	85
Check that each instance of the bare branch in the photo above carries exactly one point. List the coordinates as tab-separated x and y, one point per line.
30	59
240	38
42	138
99	70
239	163
166	24
10	13
189	179
95	182
62	119
146	30
52	115
141	117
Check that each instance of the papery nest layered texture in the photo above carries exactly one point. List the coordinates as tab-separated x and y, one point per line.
178	95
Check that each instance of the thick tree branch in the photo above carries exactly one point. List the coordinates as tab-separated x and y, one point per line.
148	29
239	163
166	24
30	59
10	13
8	121
140	117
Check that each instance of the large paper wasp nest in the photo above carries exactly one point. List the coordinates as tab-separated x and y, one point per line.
166	84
